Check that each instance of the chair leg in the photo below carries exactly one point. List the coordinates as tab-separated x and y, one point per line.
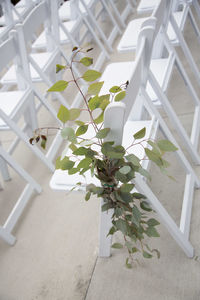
7	236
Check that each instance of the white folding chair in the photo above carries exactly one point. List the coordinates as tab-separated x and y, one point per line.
31	187
124	13
88	12
72	33
138	84
42	65
137	75
180	12
159	76
107	40
8	19
20	103
15	13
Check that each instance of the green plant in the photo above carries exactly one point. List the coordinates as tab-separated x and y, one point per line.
114	166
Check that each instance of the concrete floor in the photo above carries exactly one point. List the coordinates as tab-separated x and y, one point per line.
55	257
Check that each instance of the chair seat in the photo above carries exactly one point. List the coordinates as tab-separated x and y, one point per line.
65	10
128	41
3	29
20	10
61	180
11	103
180	18
40	42
162	69
42	60
116	74
146	6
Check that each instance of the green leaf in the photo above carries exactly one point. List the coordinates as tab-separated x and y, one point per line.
115	89
94	102
63	114
58	164
144	173
59	68
152	232
104	103
126	197
117	246
101	134
74	113
59	86
80	151
91	153
139	196
72	147
105	207
140	134
66	164
134	249
86	61
99	119
146	255
155	147
99	102
79	123
152	222
81	130
120	96
166	164
133	159
127	188
68	133
73	171
85	163
166	145
157	252
136	215
128	245
87	196
128	265
121	225
145	206
43	141
111	231
91	75
154	157
95	88
125	170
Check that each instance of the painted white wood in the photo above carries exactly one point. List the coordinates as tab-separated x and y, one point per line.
162	80
173	229
104	240
31	187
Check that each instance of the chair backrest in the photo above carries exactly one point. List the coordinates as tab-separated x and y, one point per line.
7	12
122	110
142	62
38	16
10	53
161	13
7	52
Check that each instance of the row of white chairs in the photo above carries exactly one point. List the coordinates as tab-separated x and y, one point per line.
20	37
145	86
23	69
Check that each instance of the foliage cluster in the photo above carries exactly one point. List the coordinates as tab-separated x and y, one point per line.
114	166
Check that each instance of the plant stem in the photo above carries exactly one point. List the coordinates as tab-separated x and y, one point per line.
85	100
